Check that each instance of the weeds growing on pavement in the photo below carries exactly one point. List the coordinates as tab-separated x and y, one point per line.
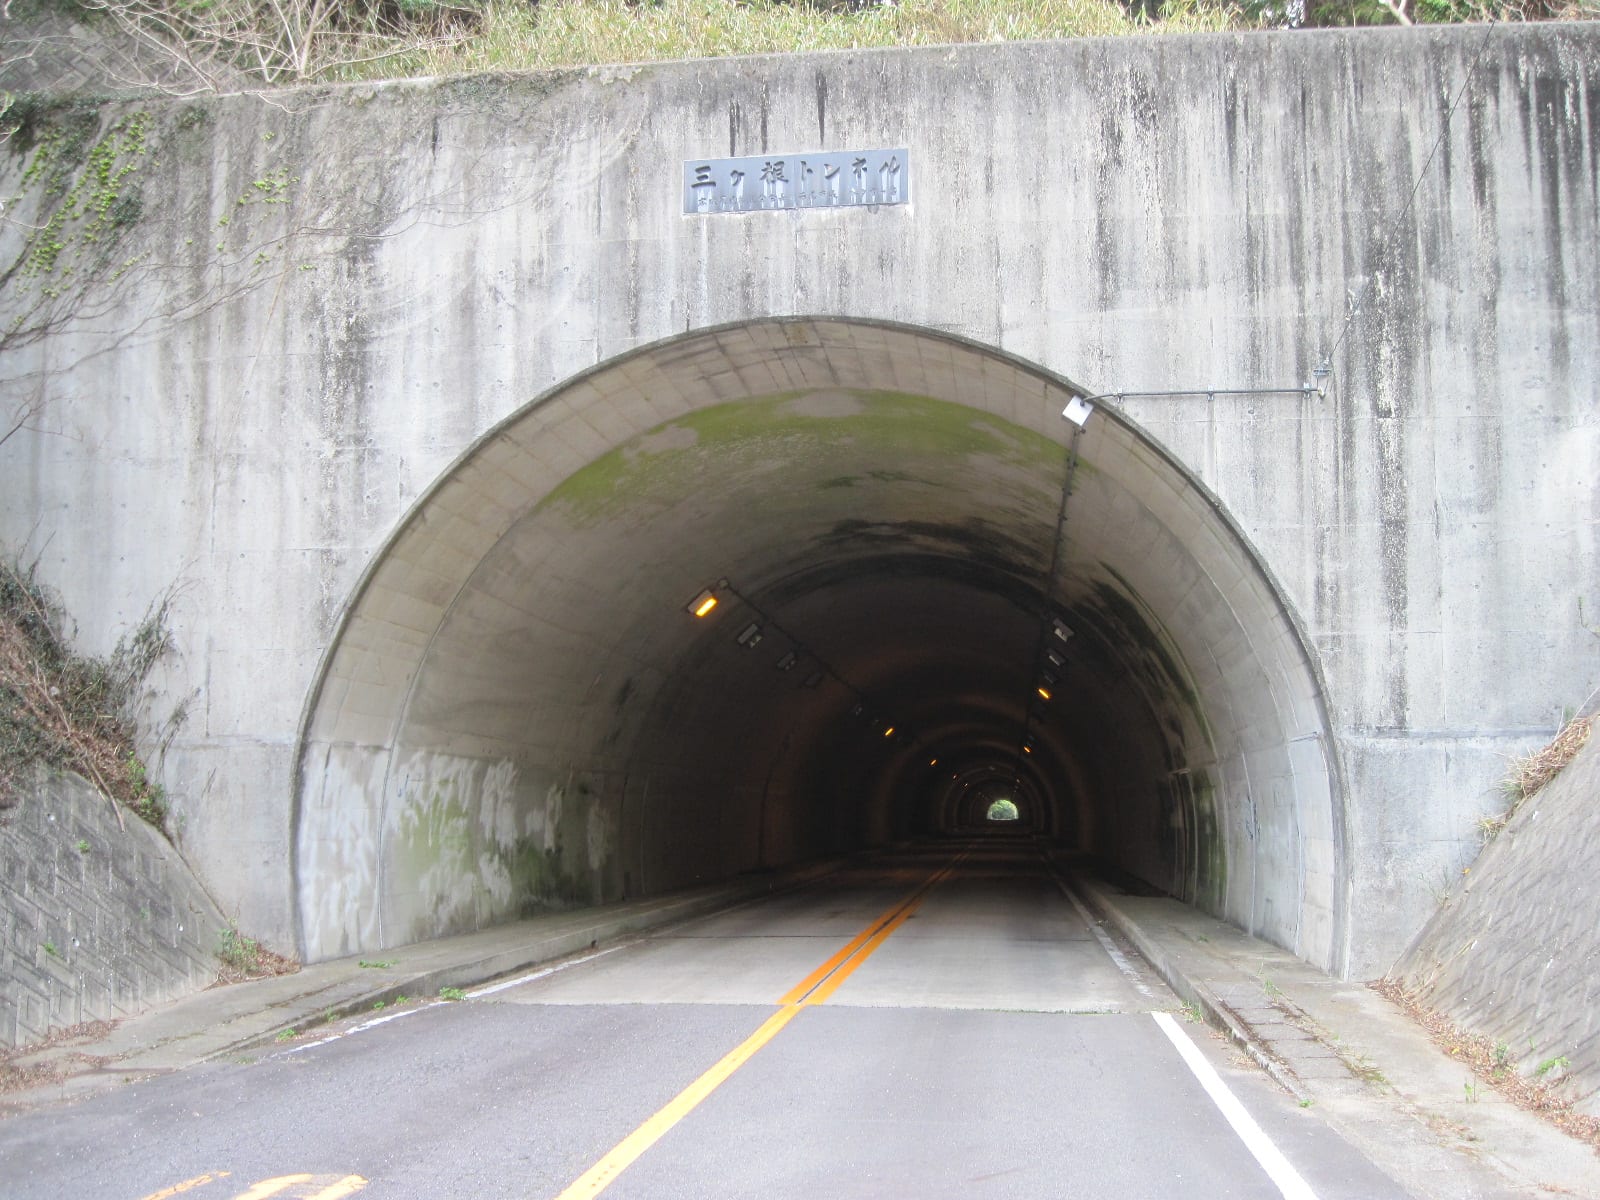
1543	1091
245	958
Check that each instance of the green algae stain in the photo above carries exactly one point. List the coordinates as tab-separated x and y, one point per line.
539	877
433	831
749	437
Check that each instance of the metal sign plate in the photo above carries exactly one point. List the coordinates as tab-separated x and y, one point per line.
775	182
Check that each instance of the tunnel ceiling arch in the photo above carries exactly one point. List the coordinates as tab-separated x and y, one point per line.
518	711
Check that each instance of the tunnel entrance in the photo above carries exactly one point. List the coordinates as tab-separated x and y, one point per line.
522	708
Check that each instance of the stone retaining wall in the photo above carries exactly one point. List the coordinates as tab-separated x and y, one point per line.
96	922
1514	952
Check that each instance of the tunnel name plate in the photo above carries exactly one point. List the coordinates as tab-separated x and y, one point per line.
787	182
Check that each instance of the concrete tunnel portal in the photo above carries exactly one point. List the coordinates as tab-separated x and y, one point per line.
520	710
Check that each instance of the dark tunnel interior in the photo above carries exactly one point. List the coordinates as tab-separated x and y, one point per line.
932	593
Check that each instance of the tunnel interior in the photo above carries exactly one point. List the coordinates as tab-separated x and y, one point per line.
931	593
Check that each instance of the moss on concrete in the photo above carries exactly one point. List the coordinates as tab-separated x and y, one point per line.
669	463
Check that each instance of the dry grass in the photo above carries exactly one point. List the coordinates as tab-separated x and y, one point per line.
1542	1094
69	711
1532	771
566	33
15	1076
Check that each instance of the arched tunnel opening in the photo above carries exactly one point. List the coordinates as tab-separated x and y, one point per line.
521	709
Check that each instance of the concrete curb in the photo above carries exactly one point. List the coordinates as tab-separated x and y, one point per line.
467	973
247	1018
1189	989
608	928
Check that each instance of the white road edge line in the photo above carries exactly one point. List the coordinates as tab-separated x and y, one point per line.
1106	944
491	988
475	993
1278	1168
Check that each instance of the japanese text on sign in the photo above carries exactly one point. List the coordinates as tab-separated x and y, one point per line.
847	179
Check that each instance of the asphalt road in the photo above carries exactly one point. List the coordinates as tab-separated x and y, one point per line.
942	1023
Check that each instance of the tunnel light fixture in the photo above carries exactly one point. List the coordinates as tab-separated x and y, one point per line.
750	636
1055	660
788	661
811	680
889	732
1044	692
1061	630
702	604
1078	410
933	762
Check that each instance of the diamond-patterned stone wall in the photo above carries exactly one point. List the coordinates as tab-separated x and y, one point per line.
1514	952
96	922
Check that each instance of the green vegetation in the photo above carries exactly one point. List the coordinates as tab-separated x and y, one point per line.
377	965
87	195
237	951
245	958
451	993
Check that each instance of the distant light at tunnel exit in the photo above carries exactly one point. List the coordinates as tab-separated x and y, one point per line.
1003	810
702	604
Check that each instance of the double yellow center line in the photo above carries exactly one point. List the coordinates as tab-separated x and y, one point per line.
814	989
